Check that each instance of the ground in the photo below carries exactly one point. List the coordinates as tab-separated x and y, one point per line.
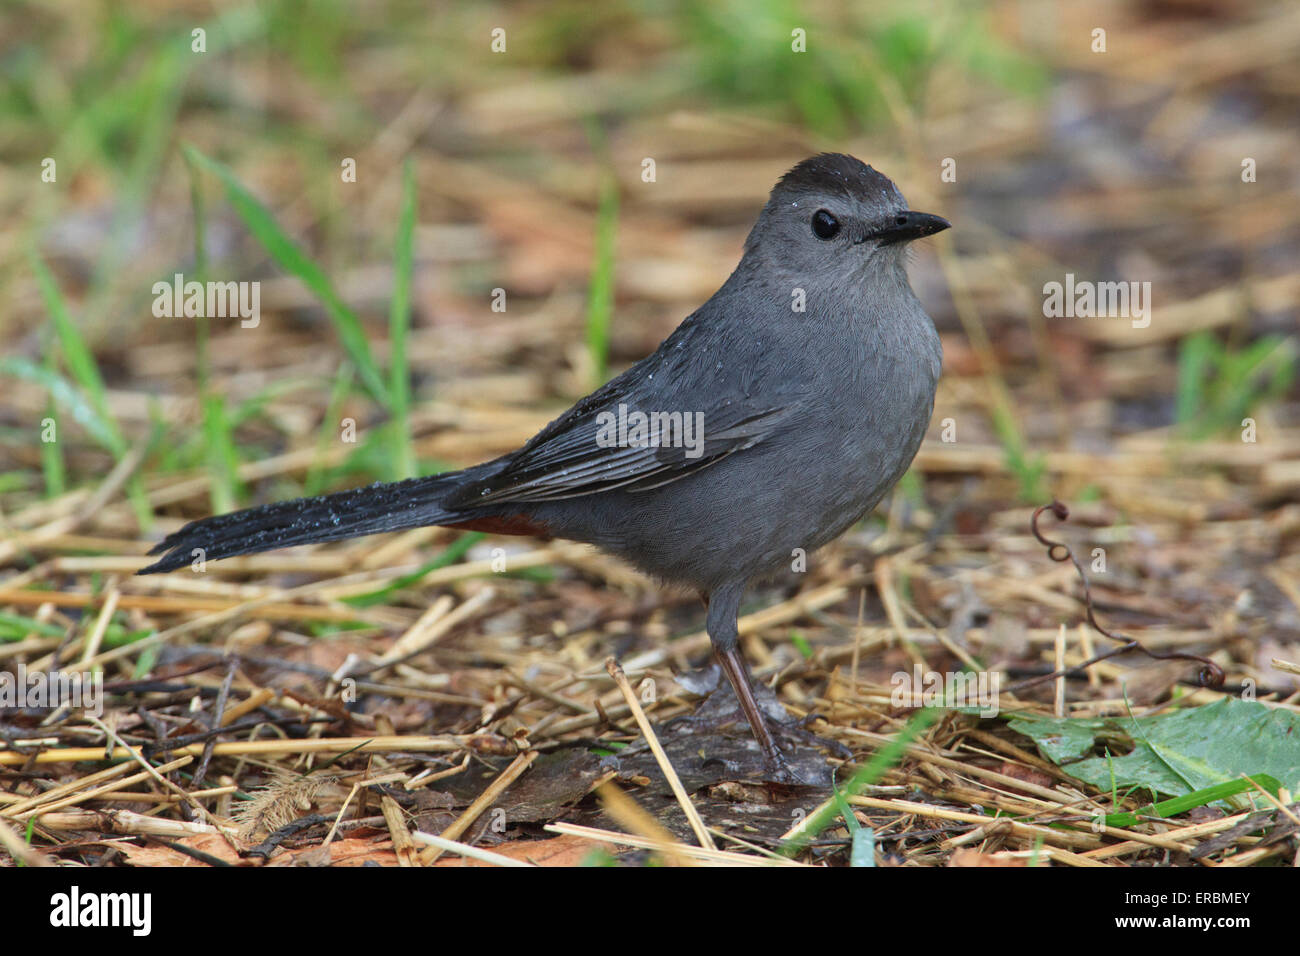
324	704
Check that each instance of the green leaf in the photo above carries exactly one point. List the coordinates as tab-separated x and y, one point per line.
289	257
1177	752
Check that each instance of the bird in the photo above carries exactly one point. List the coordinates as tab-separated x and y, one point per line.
771	420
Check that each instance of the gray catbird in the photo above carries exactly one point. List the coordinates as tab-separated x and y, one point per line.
812	371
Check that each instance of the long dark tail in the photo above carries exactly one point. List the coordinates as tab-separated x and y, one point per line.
347	514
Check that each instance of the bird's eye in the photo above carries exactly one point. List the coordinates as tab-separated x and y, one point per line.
824	225
900	221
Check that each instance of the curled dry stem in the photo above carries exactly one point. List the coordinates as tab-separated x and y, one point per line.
1210	674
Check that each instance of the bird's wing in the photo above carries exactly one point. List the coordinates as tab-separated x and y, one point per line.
572	462
574	456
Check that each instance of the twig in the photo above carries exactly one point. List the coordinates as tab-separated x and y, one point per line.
484	800
217	721
692	815
442	844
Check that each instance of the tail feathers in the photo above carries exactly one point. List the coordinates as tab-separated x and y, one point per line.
347	514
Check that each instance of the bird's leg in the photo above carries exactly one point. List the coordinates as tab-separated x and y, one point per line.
733	665
724	608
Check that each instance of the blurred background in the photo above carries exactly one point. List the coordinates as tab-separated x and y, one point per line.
464	216
529	167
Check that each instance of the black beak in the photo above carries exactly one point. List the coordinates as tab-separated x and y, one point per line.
908	226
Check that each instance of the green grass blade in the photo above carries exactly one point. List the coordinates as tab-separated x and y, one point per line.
224	492
223	460
866	775
600	293
200	268
1190	801
14	627
399	324
862	848
81	365
1030	472
52	465
65	395
314	482
450	555
862	840
1196	355
289	257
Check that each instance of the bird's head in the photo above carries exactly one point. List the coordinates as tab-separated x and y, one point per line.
832	216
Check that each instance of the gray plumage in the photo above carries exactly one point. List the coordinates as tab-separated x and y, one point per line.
810	417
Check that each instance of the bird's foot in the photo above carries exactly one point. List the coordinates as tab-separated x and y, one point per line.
780	771
796	729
